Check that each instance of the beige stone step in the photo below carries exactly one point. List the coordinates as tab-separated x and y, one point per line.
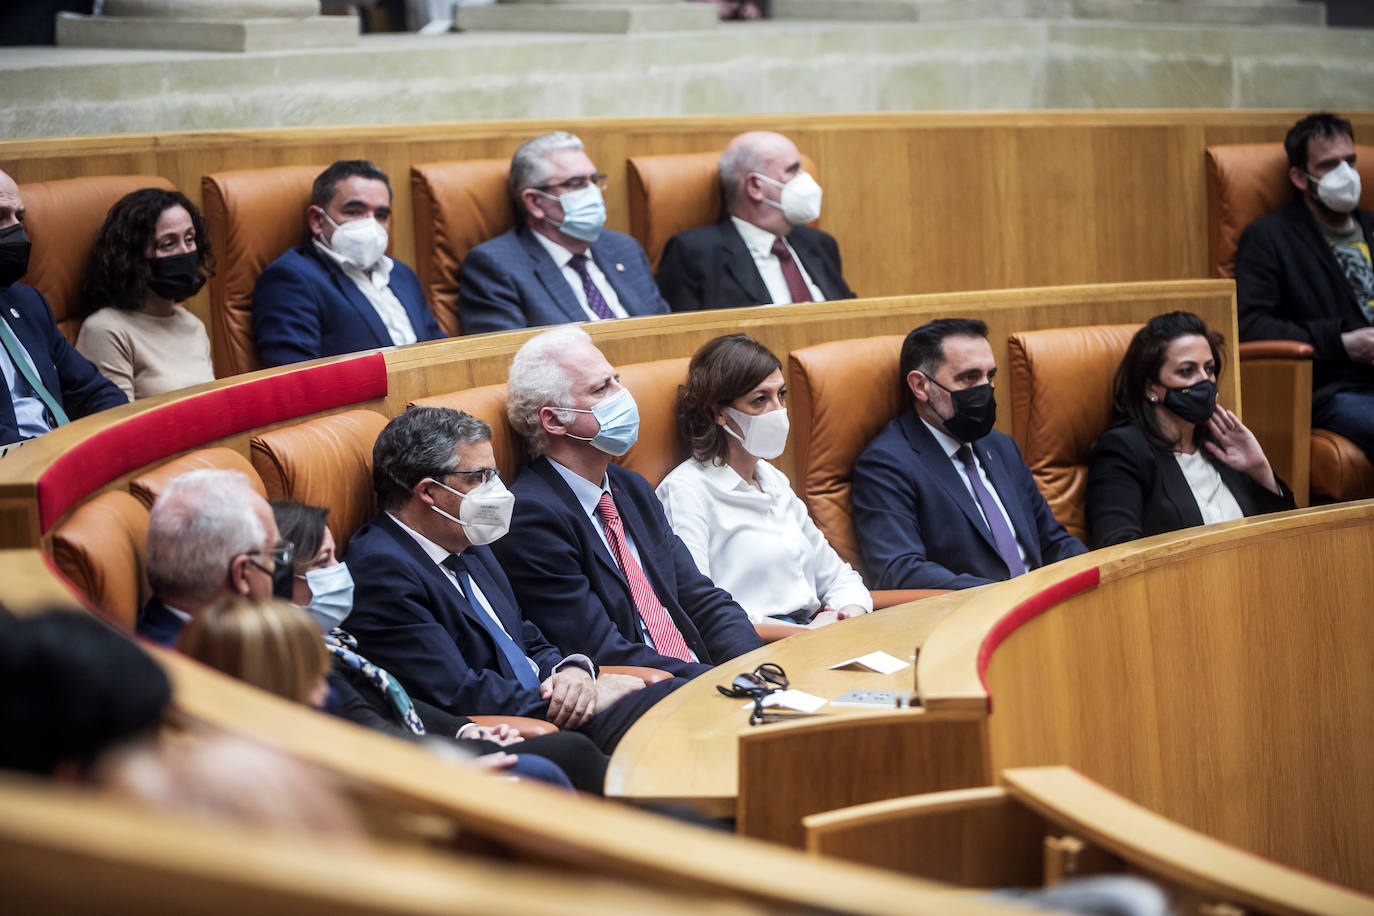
198	34
583	16
1184	12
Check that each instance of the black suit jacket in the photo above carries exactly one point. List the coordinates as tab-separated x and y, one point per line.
1136	489
71	378
156	623
919	526
1290	287
569	584
710	267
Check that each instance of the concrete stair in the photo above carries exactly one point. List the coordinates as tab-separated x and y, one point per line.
1181	12
619	18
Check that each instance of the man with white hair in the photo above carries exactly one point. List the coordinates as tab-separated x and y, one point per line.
591	556
760	253
559	263
210	536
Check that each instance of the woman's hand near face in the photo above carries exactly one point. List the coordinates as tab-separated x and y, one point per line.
1236	447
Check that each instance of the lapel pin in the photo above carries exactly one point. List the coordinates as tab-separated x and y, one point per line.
620	267
15	312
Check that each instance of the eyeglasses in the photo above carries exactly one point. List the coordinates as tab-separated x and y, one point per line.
756	685
480	475
281	554
576	183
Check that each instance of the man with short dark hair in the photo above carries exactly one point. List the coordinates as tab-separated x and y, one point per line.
433	607
1304	273
941	499
339	292
760	252
559	263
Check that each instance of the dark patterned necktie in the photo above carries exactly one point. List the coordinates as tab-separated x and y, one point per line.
796	284
595	301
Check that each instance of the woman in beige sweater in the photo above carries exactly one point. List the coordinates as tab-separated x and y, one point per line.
152	253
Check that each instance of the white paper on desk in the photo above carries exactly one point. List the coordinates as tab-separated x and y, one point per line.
880	662
798	700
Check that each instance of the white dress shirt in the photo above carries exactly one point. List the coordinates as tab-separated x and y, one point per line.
377	290
588	496
562	257
478	600
30	413
952	445
760	245
1214	498
759	545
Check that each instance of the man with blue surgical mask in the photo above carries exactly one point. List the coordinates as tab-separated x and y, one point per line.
559	263
591	556
761	252
1304	273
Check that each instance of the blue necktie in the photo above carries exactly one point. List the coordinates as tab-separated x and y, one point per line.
997	523
514	657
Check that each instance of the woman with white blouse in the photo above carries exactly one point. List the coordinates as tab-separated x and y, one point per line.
737	514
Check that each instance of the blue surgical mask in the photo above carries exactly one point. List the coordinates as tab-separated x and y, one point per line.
331	594
584	213
619	419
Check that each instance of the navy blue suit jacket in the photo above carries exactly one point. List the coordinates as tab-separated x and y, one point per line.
158	624
409	619
511	282
710	267
569	584
70	377
919	526
305	307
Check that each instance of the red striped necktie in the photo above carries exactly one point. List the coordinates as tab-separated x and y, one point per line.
665	634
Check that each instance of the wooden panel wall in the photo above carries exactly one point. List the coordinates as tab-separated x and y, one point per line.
1222	681
920	202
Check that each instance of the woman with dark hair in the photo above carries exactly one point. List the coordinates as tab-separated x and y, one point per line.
371	696
1174	459
151	254
736	513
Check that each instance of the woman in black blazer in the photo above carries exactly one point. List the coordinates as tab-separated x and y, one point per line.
1174	459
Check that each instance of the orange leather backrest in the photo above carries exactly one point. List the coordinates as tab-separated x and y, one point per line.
487	403
101	548
1061	401
654	386
148	486
62	219
326	462
671	193
843	393
254	216
458	206
1244	182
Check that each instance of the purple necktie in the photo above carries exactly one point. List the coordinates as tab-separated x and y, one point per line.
595	301
997	523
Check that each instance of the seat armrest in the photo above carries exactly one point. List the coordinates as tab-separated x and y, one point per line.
1275	349
647	675
891	597
772	632
525	726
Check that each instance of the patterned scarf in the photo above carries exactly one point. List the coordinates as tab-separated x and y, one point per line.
344	647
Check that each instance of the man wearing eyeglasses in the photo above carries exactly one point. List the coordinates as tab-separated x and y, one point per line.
211	536
559	263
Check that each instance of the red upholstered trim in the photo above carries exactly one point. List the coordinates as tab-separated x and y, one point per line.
194	421
1025	611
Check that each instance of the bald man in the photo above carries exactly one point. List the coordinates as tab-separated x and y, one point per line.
760	253
48	383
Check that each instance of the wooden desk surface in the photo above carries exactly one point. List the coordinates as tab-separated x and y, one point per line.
685	749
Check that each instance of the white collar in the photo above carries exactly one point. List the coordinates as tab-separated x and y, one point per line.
432	550
947	442
381	271
561	256
588	494
758	241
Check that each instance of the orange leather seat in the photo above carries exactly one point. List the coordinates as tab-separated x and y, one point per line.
458	206
62	219
1244	182
1061	401
659	448
254	216
101	549
487	403
327	462
149	485
672	193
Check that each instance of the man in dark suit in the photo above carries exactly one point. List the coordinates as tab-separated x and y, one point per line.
941	499
339	292
760	253
211	536
559	263
47	380
1304	273
432	606
592	557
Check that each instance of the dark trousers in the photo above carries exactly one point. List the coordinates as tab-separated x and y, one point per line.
1348	413
607	727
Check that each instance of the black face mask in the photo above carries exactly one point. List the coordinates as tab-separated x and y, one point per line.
14	254
975	411
176	277
1193	403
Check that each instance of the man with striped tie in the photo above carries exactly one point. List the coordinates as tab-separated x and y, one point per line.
591	556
